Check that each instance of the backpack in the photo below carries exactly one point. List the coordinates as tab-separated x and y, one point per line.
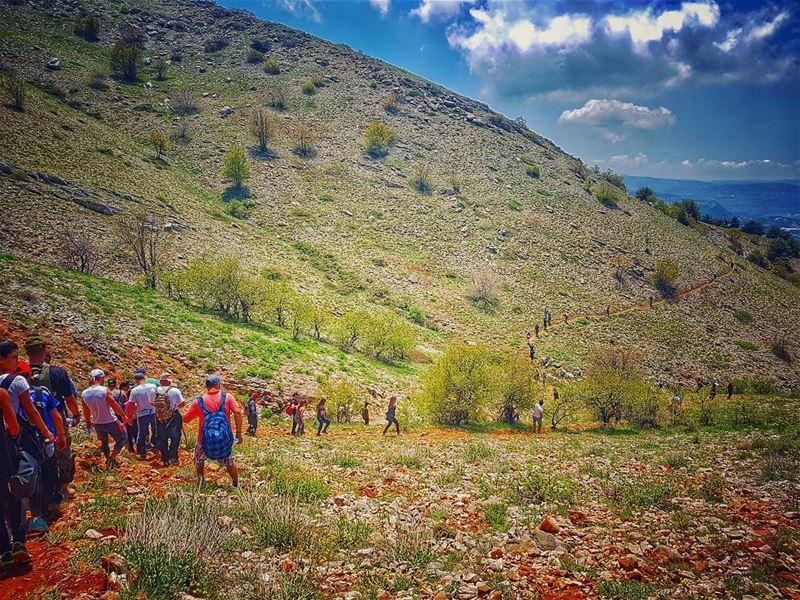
17	466
217	437
40	377
290	409
30	439
162	404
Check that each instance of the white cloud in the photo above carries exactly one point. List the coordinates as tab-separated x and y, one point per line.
644	26
302	7
382	6
432	9
614	119
765	30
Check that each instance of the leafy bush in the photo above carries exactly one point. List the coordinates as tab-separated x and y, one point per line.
261	46
304	140
87	27
533	171
235	167
255	57
457	389
125	60
215	44
183	102
743	316
757	258
378	137
271	67
160	67
746	344
753	227
344	399
607	195
388	338
309	89
160	142
14	87
97	81
666	276
517	387
239	209
537	488
277	100
421	180
390	104
417	315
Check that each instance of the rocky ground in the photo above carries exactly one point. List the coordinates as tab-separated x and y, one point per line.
449	514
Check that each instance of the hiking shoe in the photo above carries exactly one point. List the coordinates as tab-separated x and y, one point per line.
6	559
111	464
38	526
19	552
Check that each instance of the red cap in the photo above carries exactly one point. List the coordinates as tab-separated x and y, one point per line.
22	369
254	394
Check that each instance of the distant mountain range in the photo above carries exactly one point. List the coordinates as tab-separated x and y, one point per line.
724	199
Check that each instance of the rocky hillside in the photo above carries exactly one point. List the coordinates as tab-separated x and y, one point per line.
79	154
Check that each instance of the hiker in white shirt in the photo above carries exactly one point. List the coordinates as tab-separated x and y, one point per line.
140	400
538	413
104	415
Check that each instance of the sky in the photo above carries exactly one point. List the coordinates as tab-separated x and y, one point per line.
688	90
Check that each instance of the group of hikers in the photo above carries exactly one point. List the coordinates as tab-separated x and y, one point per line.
39	404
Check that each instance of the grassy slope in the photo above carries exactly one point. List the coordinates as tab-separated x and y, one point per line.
560	243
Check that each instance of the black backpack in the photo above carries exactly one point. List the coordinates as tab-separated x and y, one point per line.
17	466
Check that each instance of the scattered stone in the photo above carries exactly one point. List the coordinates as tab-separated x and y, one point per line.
54	64
114	563
93	534
549	525
226	111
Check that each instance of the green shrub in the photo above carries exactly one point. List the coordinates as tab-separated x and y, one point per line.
215	44
497	515
755	385
421	180
533	171
346	461
378	138
757	258
87	27
278	522
344	398
271	67
666	276
309	89
235	167
417	315
160	67
255	57
637	494
302	487
607	195
746	344
457	389
390	104
743	317
125	60
239	209
537	488
161	574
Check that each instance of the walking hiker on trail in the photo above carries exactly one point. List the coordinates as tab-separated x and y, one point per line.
538	414
300	414
11	548
730	390
214	437
651	301
132	428
566	318
531	350
251	410
141	406
101	412
365	412
391	417
322	418
58	382
608	310
169	422
291	410
713	392
536	330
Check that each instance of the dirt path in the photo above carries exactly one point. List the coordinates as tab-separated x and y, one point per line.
644	306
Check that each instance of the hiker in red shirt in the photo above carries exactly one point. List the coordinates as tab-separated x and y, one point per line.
212	400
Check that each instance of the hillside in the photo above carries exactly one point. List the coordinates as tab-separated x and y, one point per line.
76	156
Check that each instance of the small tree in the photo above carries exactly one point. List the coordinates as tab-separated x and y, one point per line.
516	386
378	137
317	321
14	87
125	60
277	100
160	142
458	388
184	102
79	253
160	67
88	28
304	140
388	338
645	194
343	398
484	290
141	234
263	127
666	276
235	167
349	329
300	311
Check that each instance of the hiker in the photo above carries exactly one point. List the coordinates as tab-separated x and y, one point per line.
538	413
365	412
251	410
322	419
300	415
730	390
214	437
11	548
651	300
58	382
608	310
141	406
713	393
536	330
47	489
566	318
104	415
291	408
391	417
532	350
169	422
132	428
617	412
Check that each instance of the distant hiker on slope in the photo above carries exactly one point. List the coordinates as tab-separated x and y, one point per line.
608	310
713	393
531	350
214	437
251	411
291	410
105	416
730	390
651	301
365	412
322	418
538	414
566	318
141	407
169	422
536	330
391	417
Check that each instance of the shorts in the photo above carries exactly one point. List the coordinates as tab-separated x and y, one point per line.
200	457
537	421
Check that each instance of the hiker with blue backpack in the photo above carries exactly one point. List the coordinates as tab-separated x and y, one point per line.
9	429
214	436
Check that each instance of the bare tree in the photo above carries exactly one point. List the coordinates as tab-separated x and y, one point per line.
484	289
141	234
14	86
262	127
304	139
79	254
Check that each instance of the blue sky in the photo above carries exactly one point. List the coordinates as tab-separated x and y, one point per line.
692	90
